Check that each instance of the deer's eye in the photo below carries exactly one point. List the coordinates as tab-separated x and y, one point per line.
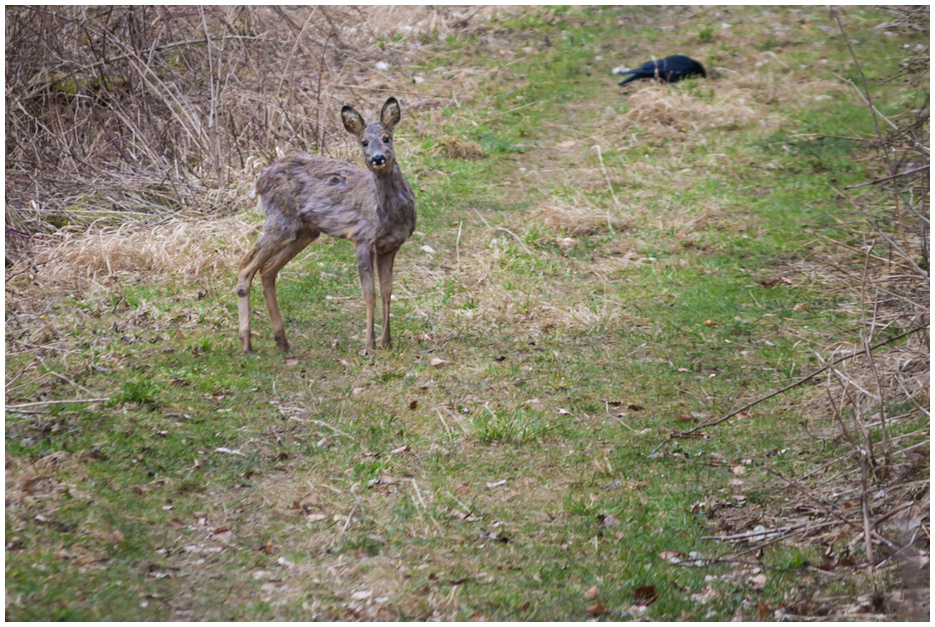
386	140
364	143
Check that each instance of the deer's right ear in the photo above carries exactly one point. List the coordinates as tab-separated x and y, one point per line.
353	123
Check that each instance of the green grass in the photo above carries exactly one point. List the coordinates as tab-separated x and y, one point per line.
561	374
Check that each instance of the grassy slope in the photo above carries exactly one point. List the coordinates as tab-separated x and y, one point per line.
543	345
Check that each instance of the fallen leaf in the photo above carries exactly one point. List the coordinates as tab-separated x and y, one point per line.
673	557
363	594
564	412
495	484
705	595
310	498
401	449
356	391
435	361
634	407
610	521
763	610
710	323
413	404
758	581
591	593
635	610
427	249
316	517
224	449
801	307
739	470
565	242
478	618
223	533
597	609
292	362
645	595
686	418
175	522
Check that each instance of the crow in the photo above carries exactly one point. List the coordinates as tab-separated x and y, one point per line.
669	70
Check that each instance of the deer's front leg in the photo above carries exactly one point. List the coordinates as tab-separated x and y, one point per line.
365	271
385	272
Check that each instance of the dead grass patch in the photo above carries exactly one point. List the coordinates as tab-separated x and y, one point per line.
458	148
670	109
180	248
577	218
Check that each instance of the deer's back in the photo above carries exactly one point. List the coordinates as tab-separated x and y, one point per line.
335	197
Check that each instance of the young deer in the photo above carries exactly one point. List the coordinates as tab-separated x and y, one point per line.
304	196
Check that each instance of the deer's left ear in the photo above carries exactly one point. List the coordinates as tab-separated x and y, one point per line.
390	114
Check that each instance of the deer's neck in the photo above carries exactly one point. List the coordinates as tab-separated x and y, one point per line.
393	192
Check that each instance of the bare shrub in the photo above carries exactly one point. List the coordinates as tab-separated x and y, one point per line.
117	113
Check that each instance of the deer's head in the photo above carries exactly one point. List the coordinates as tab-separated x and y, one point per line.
376	138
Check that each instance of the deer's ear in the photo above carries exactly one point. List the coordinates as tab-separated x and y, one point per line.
390	114
353	123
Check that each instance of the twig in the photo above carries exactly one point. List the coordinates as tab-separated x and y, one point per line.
500	228
867	99
438	411
458	245
609	187
74	400
682	434
889	178
752	534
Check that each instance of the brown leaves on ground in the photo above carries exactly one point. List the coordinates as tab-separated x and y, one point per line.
645	595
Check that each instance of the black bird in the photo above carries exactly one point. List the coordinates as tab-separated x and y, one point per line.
669	70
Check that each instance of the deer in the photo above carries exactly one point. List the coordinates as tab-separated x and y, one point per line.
304	196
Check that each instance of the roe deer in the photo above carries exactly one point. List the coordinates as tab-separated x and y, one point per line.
304	196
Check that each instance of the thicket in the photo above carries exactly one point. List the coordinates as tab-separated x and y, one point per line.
115	112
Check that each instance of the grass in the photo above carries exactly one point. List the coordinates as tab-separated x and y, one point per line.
513	477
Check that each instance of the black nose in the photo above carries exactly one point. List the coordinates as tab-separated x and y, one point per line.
378	160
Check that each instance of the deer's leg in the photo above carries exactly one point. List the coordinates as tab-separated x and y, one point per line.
267	246
365	271
385	272
268	280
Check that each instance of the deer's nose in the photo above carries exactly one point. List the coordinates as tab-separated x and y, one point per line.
378	160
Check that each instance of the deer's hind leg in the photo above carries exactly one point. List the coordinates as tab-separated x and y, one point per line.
268	280
270	243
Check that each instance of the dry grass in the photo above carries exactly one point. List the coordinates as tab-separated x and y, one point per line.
668	109
171	249
458	148
580	217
